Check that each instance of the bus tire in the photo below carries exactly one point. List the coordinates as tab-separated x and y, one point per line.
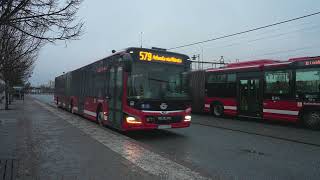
217	109
100	117
311	119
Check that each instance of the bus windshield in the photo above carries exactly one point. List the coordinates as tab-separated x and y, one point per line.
157	81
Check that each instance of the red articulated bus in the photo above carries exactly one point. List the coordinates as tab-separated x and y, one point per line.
266	89
135	89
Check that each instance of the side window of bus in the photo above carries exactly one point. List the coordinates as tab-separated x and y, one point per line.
111	81
99	80
119	82
277	83
308	83
221	85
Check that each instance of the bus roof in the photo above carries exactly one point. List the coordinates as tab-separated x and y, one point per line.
260	64
252	63
245	65
304	58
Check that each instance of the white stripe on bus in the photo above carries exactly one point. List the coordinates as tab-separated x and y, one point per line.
75	108
230	107
90	113
277	111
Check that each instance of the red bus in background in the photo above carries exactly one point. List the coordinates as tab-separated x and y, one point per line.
266	89
135	89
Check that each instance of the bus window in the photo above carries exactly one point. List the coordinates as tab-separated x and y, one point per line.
231	78
278	83
221	85
217	78
308	83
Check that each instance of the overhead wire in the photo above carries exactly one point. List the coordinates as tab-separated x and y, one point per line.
283	51
267	37
247	31
270	31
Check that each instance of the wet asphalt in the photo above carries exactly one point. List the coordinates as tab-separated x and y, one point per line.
224	148
47	147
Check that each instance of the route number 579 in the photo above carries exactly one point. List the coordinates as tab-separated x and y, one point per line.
146	56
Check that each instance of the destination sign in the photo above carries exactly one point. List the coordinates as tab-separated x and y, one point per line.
308	62
314	62
151	56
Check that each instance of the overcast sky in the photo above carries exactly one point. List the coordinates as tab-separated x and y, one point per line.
170	23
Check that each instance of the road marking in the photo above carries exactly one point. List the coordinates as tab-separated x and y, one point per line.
149	161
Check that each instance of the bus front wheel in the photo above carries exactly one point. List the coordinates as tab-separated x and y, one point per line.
311	119
217	110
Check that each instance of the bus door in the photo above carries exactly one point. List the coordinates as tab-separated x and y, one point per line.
115	96
250	97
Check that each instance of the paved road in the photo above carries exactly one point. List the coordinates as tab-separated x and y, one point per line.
236	149
48	147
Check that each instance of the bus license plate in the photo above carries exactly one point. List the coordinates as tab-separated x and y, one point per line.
164	118
164	126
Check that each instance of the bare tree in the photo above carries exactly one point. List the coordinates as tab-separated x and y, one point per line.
18	52
25	25
42	19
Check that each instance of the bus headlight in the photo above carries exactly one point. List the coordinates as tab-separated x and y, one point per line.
187	118
132	120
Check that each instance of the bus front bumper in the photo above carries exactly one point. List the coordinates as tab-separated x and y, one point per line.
148	126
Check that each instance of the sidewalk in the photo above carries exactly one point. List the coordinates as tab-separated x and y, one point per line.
8	141
8	130
43	146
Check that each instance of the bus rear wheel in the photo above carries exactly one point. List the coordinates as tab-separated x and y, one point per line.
217	110
311	119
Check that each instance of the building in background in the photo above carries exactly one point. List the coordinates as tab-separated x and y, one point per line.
47	88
